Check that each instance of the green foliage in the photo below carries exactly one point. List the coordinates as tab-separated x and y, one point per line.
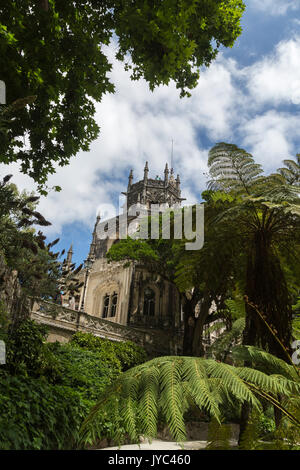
26	349
264	361
4	321
291	171
296	319
167	386
86	372
55	50
250	437
47	389
222	346
36	415
121	354
24	250
261	213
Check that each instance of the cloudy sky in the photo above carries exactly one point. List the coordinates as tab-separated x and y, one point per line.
250	96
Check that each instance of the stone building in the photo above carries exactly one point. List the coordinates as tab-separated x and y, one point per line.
129	294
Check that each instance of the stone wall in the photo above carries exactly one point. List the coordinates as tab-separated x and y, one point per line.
64	322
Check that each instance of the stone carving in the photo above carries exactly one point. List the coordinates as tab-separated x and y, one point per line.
56	315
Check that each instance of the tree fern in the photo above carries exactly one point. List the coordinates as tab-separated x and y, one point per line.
232	168
291	171
265	217
265	361
166	386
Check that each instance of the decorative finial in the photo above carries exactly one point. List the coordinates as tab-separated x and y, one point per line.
166	173
70	255
146	171
130	178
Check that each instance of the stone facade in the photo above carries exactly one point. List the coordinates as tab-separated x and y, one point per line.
129	294
64	322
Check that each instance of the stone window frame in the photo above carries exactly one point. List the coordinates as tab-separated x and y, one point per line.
112	304
149	314
110	295
105	306
109	288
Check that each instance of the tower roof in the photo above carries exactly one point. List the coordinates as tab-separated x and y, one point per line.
158	190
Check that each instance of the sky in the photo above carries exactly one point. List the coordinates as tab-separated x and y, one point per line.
250	96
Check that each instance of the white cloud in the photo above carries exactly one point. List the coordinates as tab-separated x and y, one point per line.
276	78
270	137
275	7
231	103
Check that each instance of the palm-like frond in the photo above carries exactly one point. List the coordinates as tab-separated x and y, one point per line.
232	168
291	171
264	361
166	386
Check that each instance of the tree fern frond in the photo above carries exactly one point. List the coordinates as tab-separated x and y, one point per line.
147	408
232	381
266	361
218	437
250	437
223	344
268	383
165	386
232	168
172	397
291	172
129	409
195	373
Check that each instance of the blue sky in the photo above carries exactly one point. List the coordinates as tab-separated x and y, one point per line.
249	96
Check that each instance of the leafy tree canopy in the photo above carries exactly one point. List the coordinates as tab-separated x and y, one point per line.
52	51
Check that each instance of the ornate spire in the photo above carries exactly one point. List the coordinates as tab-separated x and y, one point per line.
70	255
146	171
93	244
178	182
166	174
172	179
130	178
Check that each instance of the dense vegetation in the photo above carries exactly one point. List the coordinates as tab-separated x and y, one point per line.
46	390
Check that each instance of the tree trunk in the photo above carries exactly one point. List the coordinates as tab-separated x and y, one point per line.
193	327
198	347
189	325
267	289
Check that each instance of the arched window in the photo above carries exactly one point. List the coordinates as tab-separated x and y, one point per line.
105	306
113	307
149	302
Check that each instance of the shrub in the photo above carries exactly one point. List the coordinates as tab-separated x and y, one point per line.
87	372
128	353
36	415
46	390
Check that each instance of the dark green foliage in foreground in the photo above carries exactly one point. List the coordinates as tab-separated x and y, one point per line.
37	415
166	387
46	390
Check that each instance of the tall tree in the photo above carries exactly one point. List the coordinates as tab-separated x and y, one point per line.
55	50
265	217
